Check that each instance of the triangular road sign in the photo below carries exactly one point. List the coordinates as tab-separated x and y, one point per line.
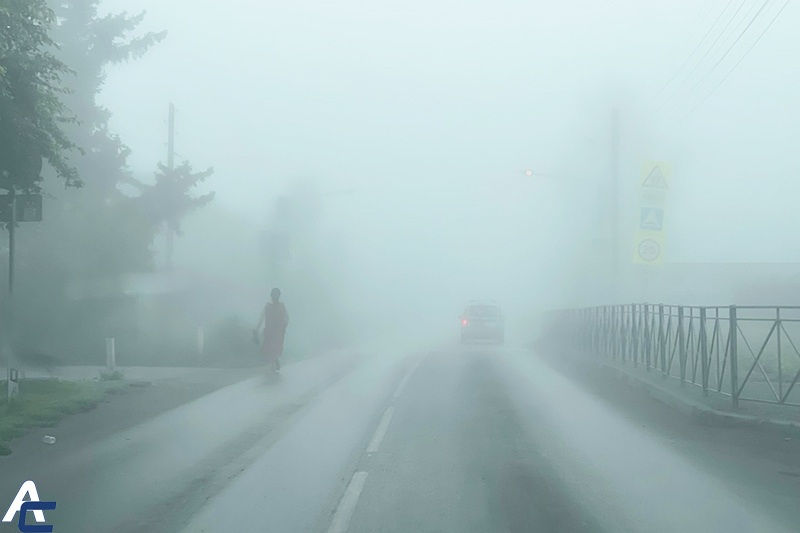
655	179
652	219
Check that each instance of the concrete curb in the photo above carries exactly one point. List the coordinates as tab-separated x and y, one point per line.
695	410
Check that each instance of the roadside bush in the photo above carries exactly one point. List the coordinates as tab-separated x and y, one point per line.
230	343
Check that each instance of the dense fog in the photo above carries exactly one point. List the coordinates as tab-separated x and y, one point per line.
371	161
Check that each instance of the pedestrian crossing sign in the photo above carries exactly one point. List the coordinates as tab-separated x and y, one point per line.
651	219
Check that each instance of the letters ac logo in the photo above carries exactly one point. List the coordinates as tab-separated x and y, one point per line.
22	506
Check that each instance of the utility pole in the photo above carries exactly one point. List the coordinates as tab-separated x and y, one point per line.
171	139
171	167
615	263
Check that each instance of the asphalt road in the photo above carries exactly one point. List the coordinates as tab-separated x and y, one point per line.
475	439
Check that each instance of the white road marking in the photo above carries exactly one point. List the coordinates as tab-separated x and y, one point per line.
402	384
380	432
344	512
341	520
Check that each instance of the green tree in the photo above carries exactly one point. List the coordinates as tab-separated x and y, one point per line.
93	237
167	201
89	44
32	112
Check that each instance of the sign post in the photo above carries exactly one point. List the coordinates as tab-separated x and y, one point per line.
18	208
15	208
650	235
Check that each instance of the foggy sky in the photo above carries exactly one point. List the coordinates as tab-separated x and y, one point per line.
431	111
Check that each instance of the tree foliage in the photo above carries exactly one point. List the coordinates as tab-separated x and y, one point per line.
89	44
32	113
96	233
99	232
170	198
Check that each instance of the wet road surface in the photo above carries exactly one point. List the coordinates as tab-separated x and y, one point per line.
461	439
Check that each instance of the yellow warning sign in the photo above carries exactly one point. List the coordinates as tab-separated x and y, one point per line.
649	248
656	175
651	234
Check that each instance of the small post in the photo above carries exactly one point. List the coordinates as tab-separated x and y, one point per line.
734	354
200	340
111	356
12	382
703	337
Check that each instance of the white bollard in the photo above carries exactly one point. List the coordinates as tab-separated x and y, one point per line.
12	377
111	356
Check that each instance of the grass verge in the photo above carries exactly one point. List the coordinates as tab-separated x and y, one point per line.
44	403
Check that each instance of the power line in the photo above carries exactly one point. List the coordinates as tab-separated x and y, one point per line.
692	28
744	19
710	48
696	48
721	59
740	60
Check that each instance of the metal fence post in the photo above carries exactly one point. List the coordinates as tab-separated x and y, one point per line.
703	338
587	330
615	330
648	341
635	324
778	327
603	341
734	356
623	333
681	346
662	348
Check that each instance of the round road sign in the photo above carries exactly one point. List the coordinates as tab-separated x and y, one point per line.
649	250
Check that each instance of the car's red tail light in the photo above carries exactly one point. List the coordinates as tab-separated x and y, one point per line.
464	321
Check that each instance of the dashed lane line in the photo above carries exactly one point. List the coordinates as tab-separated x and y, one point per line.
405	379
344	512
380	431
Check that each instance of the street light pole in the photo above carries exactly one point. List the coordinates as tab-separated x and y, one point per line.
171	166
615	264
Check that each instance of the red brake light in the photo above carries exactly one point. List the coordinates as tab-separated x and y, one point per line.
464	321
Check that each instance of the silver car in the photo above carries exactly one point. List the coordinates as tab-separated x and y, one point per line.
482	322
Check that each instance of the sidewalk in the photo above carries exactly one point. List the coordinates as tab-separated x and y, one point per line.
689	399
131	373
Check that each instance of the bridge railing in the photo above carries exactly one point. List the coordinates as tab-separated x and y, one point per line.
749	353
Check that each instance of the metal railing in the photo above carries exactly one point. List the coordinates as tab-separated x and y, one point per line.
708	347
